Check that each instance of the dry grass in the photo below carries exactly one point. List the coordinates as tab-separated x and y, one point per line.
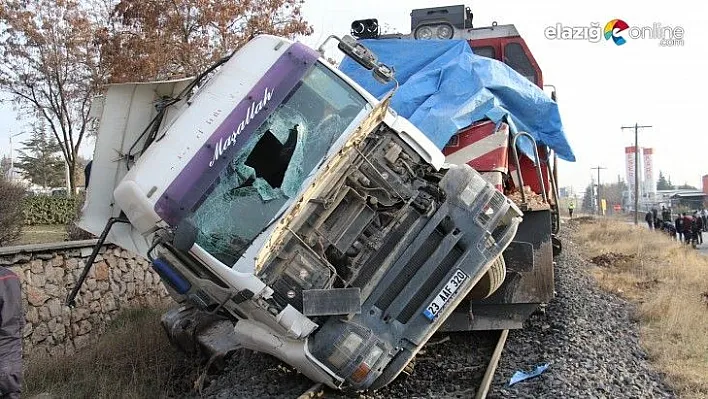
41	234
669	282
133	359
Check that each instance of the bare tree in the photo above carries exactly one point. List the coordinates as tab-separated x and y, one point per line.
50	63
162	39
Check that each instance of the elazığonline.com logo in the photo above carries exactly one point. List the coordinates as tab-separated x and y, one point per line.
619	32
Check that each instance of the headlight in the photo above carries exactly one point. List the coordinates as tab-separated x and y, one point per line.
365	28
443	31
344	350
424	33
358	28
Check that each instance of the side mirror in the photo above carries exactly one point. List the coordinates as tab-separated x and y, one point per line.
363	56
185	235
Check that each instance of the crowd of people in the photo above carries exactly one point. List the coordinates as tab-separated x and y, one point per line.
685	227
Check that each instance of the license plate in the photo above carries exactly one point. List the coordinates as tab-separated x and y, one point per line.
445	295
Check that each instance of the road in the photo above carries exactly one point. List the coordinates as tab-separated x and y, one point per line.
703	248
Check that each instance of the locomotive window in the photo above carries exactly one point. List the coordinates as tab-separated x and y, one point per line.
485	51
516	58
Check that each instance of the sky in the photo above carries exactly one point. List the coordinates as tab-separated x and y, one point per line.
600	86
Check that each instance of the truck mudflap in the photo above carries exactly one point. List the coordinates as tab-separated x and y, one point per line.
528	283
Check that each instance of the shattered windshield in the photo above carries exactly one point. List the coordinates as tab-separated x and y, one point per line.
272	165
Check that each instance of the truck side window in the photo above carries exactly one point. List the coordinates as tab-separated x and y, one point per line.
485	51
516	58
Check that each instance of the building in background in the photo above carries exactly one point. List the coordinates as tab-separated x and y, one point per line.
681	200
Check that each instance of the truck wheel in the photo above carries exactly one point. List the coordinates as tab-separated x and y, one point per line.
491	281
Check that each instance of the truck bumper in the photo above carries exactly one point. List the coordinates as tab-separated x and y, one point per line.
528	283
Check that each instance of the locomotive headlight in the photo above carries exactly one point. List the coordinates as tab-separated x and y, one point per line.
424	32
442	31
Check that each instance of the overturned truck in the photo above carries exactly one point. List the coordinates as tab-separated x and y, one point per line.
290	211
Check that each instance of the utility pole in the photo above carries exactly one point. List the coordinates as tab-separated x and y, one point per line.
599	203
636	128
592	203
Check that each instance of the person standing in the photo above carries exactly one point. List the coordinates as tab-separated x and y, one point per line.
704	215
655	214
11	325
665	214
649	218
670	230
678	223
571	207
687	229
698	226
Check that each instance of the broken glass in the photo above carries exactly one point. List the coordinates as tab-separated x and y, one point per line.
269	169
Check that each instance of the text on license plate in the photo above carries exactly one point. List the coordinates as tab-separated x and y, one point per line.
448	292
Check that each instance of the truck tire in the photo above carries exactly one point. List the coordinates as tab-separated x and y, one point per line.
491	281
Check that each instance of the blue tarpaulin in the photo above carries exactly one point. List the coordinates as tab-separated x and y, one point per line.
445	87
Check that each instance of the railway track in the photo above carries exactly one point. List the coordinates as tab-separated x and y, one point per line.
490	346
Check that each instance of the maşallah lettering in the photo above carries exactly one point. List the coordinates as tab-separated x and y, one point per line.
253	110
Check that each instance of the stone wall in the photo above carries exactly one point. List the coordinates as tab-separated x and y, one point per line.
48	273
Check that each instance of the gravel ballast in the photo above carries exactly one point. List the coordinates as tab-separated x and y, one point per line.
586	335
589	338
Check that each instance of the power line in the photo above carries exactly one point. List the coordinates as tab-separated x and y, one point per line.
636	128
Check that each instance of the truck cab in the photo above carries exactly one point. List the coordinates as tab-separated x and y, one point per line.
289	211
